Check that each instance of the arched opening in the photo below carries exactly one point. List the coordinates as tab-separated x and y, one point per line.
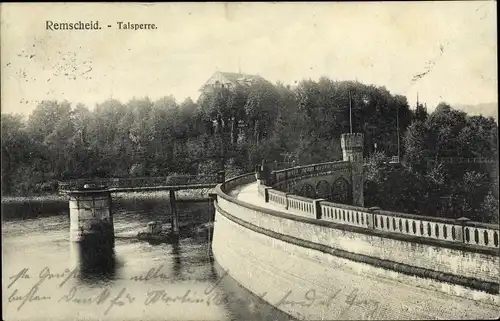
323	189
308	191
341	191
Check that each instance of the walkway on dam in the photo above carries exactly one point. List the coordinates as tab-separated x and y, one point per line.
249	193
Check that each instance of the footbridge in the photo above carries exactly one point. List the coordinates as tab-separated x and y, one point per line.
90	201
317	258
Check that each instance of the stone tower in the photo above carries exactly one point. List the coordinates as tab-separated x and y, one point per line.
352	150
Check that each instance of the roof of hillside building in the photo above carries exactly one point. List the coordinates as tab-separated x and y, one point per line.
233	78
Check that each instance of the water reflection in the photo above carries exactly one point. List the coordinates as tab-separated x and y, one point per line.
184	266
176	257
96	260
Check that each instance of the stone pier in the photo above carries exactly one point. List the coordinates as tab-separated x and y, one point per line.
91	216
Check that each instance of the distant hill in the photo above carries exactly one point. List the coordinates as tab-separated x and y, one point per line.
485	109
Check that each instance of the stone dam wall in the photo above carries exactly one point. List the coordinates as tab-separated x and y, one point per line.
326	270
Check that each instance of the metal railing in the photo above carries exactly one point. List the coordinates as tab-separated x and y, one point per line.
462	160
136	182
391	159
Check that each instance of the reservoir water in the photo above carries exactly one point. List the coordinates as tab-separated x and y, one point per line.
46	277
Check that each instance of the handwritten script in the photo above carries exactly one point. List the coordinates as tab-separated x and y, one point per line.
112	296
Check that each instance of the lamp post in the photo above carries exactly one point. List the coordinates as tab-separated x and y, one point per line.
397	126
350	111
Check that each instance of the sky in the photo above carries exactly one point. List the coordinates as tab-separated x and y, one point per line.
452	45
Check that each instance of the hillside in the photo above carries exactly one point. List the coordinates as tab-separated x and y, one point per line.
485	109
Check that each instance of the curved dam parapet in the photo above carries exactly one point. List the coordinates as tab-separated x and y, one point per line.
318	260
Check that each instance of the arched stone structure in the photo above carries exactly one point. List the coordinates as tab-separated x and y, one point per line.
345	177
323	189
307	190
322	184
338	191
341	191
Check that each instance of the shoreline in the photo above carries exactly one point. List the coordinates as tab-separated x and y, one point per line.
180	195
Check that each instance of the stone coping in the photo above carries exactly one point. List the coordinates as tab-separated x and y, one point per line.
220	190
474	283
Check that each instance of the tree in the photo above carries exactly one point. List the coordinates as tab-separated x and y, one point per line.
61	146
106	138
16	149
287	127
236	128
80	117
188	116
236	101
489	208
414	146
421	113
478	138
164	119
46	116
469	193
443	126
260	109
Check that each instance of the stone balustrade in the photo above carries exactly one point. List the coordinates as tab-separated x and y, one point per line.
301	206
460	249
345	214
277	197
273	251
450	230
261	190
473	233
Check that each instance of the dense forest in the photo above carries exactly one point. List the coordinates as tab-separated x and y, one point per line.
235	129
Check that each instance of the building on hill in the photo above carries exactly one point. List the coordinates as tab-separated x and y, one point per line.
230	80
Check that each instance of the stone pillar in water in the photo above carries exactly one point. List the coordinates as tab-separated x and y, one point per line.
91	217
175	214
352	150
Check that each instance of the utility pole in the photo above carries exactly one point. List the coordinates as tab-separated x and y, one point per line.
350	111
397	126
